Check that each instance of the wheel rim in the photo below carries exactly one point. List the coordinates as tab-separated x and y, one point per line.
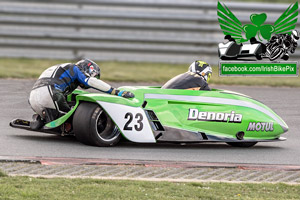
106	129
275	54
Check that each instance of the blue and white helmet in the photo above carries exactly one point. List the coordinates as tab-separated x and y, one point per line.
89	67
201	68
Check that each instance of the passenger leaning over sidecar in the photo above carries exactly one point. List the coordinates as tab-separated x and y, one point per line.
196	78
48	95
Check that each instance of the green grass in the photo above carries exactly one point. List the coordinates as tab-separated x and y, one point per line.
39	188
2	174
134	72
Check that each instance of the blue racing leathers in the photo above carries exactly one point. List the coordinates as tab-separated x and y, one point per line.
55	83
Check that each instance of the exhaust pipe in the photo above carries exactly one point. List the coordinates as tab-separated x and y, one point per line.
240	135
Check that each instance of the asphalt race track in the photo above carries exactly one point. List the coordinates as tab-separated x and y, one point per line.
16	142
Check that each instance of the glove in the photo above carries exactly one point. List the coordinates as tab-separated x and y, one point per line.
125	94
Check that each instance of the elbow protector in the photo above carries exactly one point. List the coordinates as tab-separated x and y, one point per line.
98	84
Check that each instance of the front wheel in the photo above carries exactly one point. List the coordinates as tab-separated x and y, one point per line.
93	126
275	54
241	144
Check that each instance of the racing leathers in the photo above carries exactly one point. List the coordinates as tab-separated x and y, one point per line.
48	95
188	81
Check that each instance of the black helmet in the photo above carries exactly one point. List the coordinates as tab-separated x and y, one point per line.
201	68
89	67
253	40
228	37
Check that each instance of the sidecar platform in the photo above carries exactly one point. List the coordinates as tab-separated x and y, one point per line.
25	124
20	123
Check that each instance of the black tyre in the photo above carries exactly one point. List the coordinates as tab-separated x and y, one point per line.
276	53
285	57
92	126
258	56
241	144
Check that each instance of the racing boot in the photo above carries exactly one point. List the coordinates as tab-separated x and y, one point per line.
37	122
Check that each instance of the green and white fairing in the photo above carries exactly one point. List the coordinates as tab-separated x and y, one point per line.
185	115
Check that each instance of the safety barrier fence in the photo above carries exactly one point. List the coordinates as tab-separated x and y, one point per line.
177	31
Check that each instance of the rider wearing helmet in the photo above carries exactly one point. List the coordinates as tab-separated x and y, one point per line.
295	37
196	78
48	95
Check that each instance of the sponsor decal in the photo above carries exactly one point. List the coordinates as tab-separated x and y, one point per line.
232	117
260	126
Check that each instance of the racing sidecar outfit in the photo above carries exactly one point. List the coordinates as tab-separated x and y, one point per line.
187	80
48	95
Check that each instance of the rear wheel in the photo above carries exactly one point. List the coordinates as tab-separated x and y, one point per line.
241	144
258	56
93	126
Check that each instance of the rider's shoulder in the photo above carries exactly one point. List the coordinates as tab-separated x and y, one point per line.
65	65
193	74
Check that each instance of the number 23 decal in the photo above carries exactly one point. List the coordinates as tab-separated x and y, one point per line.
139	124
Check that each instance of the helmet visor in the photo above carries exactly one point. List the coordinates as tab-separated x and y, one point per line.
296	37
208	76
93	72
206	73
